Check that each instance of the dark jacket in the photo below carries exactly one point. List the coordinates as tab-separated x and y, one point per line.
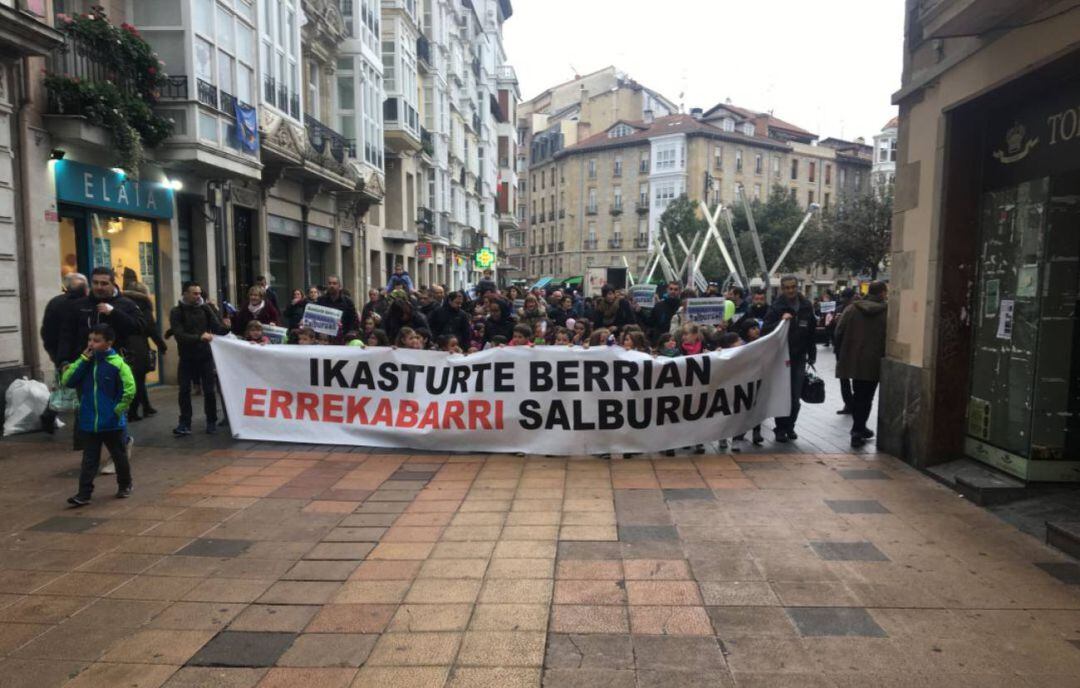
59	309
801	345
757	312
345	305
106	388
504	326
617	314
396	319
189	324
294	313
125	319
484	286
374	308
138	348
452	321
558	316
861	333
267	316
662	313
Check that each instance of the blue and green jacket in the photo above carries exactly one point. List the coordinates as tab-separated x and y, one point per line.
106	388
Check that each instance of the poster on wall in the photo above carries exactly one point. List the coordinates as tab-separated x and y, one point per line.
146	264
1027	281
102	252
991	298
1005	319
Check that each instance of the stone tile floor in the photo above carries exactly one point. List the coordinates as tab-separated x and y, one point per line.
242	564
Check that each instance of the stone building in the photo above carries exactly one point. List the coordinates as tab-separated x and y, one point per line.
982	346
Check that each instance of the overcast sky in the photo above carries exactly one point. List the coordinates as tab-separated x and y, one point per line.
828	66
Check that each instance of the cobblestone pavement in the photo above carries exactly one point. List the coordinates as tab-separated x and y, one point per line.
275	565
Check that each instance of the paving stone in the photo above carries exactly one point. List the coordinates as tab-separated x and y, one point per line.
215	548
215	677
328	650
683	679
856	506
509	617
863	474
670	621
128	675
243	649
640	533
412	618
750	622
315	570
67	524
157	646
491	677
352	618
308	677
834	621
502	649
590	592
1066	572
415	649
660	653
589	550
848	551
759	465
577	619
688	493
401	677
576	651
274	617
195	616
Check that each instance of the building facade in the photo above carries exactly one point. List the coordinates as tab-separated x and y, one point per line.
981	357
885	142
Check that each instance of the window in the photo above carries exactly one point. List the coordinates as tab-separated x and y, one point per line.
738	160
825	199
616	202
592	200
828	173
592	168
728	124
759	163
757	192
794	169
534	181
794	193
282	55
620	130
748	128
643	195
718	157
842	177
809	198
543	179
665	194
812	171
892	150
667	158
858	180
643	164
313	90
776	165
617	167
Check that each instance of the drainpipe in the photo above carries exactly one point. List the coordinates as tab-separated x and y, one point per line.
304	243
23	213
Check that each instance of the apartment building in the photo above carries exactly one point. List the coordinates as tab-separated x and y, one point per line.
598	202
297	149
885	144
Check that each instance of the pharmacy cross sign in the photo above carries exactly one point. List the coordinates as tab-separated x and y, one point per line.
484	258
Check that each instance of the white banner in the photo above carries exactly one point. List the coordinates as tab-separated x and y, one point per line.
706	310
542	400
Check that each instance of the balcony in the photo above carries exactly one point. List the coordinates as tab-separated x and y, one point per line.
208	94
940	18
642	208
423	51
591	210
176	88
506	73
616	209
551	247
562	245
476	67
617	172
402	125
532	250
590	244
540	249
562	213
532	219
403	235
476	123
615	242
321	137
643	167
425	221
551	216
641	241
270	90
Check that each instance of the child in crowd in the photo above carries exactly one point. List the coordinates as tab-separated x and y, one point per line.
749	330
425	337
634	340
521	336
563	337
599	337
667	346
305	336
476	337
540	330
728	340
582	331
449	344
497	341
353	339
106	387
378	338
691	342
408	339
254	333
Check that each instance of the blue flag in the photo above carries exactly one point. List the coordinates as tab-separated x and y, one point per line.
247	127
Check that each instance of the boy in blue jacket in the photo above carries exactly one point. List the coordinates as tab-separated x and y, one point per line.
106	388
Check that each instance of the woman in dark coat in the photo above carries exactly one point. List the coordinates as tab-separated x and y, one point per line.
401	314
137	348
294	312
257	308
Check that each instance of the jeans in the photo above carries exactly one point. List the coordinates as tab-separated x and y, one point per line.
846	393
91	461
798	375
863	391
201	371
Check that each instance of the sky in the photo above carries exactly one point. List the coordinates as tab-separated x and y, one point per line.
829	66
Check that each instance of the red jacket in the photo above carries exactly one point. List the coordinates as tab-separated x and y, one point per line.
267	316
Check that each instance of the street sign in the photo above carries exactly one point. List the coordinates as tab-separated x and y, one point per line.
484	258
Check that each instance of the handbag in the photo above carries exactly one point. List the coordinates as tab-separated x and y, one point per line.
813	388
63	398
151	360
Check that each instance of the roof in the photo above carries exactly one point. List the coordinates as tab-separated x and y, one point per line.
773	122
892	123
663	126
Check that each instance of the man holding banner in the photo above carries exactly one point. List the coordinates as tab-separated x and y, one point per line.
793	307
194	324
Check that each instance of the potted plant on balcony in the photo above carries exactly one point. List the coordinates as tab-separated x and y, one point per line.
111	76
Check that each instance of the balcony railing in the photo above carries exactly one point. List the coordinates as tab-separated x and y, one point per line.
320	136
551	216
294	105
591	210
81	59
643	167
175	88
562	213
540	249
641	241
642	208
590	244
615	242
562	244
616	208
425	220
208	94
551	247
532	250
228	103
617	172
283	97
269	90
423	49
532	219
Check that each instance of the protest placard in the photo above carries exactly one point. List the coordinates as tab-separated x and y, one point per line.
828	307
276	335
322	319
705	311
643	295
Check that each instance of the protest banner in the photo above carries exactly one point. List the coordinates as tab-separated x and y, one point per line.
705	311
276	335
518	304
828	307
322	319
643	295
544	400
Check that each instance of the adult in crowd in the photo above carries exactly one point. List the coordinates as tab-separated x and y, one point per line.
138	350
271	295
799	312
335	297
861	332
59	310
531	312
451	319
758	309
257	309
400	280
612	310
847	296
194	323
561	309
737	297
375	307
313	294
104	305
436	297
402	313
499	322
486	285
666	309
294	312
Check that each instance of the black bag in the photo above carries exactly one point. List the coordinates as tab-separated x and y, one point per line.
151	360
813	389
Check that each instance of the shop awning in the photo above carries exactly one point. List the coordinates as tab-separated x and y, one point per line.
541	283
573	281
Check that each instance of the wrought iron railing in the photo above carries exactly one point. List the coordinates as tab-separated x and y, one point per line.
175	88
208	94
78	58
283	97
320	136
228	103
615	242
294	105
590	244
641	242
270	90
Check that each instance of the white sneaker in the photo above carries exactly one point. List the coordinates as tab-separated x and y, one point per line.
130	446
108	468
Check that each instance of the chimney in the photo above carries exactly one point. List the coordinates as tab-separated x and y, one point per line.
583	130
583	94
648	116
696	113
861	141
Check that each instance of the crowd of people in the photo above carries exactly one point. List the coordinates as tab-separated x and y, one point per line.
429	317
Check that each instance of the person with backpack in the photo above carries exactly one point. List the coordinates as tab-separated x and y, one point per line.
194	323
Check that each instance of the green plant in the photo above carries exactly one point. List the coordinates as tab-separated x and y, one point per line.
128	80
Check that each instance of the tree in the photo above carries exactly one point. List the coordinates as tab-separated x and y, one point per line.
682	218
776	220
858	233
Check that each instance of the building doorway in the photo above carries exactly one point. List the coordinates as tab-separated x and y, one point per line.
244	248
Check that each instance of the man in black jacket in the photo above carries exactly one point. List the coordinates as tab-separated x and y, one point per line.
102	306
58	311
336	298
194	323
799	312
451	319
665	309
758	309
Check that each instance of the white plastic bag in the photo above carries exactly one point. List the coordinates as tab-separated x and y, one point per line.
26	400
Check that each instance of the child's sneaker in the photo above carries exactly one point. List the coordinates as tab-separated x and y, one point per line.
130	444
78	501
108	468
123	492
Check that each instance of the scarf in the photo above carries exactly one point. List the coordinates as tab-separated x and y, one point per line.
255	310
691	349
